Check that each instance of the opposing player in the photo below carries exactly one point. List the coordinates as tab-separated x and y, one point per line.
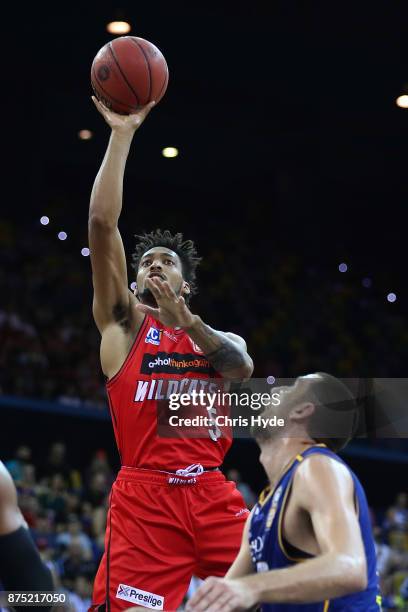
307	545
21	568
172	514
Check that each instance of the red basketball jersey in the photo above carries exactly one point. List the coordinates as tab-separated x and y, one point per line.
163	361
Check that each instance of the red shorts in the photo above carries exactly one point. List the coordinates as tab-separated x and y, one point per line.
160	534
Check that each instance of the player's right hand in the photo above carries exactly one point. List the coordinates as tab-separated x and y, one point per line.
123	123
222	595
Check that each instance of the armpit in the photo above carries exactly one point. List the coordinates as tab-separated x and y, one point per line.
120	313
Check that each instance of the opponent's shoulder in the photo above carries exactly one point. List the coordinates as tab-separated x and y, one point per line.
321	466
321	477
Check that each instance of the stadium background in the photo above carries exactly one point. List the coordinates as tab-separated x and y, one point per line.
292	160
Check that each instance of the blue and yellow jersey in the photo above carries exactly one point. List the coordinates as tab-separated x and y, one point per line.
270	551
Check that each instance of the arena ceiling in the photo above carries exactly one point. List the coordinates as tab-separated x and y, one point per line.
284	114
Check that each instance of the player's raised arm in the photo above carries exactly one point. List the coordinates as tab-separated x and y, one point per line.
109	272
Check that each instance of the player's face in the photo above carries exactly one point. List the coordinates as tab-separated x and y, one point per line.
163	263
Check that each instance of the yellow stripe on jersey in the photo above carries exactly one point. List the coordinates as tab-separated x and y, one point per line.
280	537
265	495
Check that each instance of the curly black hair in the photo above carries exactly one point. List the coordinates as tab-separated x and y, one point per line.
185	249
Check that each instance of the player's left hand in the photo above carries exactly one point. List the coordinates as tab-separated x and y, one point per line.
222	595
172	309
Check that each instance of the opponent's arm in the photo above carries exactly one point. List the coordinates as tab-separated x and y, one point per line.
225	351
112	298
10	515
324	489
21	568
242	565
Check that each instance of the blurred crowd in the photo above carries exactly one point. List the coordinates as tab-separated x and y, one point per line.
391	541
65	509
296	317
49	344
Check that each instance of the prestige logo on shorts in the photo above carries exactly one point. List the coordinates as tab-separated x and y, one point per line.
137	596
153	336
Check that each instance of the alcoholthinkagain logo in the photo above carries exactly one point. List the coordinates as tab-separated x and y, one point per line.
174	363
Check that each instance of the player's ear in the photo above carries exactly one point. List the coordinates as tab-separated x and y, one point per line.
302	411
185	289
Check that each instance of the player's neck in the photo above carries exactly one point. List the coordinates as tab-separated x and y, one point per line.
277	456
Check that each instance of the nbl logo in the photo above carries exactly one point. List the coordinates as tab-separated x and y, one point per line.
256	545
153	336
195	346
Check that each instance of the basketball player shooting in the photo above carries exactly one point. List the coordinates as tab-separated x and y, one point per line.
307	544
172	514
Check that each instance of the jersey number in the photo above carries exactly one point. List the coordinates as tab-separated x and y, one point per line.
215	432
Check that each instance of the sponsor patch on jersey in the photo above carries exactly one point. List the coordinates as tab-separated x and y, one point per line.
153	336
174	363
242	511
256	545
170	336
137	596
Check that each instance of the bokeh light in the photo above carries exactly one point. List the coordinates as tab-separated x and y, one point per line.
271	380
133	285
343	267
118	27
44	220
85	251
62	235
367	282
170	152
391	297
85	134
402	101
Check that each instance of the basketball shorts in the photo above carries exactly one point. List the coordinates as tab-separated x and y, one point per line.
161	530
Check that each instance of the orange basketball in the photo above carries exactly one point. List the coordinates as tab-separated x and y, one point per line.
129	72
